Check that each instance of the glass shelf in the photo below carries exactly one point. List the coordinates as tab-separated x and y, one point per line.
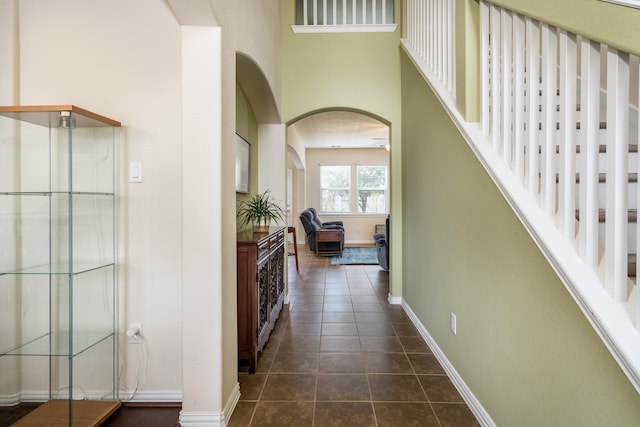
57	344
53	193
60	269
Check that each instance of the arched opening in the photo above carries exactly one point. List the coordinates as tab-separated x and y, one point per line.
354	140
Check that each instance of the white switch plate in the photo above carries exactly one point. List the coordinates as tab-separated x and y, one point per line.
454	322
135	172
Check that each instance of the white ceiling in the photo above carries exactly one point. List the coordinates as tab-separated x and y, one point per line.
341	129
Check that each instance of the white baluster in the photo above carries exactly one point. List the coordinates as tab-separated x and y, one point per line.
335	12
617	173
305	19
315	12
549	89
364	11
424	33
438	38
384	12
353	14
324	12
506	47
485	77
567	143
444	46
533	115
636	303
496	113
519	91
374	10
422	26
451	27
589	141
430	32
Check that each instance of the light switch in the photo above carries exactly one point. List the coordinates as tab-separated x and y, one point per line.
135	172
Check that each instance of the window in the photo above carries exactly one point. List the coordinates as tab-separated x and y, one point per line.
372	188
335	185
369	186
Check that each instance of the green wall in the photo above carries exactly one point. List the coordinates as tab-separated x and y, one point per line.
354	71
522	345
339	70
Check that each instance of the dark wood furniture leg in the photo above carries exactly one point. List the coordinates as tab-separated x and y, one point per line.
295	245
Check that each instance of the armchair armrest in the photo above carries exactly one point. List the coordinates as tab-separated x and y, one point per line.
327	226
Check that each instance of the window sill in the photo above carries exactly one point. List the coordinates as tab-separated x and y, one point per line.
309	29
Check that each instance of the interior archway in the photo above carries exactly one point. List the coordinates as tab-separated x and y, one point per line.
334	130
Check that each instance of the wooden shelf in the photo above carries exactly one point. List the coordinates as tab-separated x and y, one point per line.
55	413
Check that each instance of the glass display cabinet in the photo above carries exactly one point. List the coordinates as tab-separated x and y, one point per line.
58	291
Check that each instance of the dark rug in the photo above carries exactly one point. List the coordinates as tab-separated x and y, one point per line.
351	256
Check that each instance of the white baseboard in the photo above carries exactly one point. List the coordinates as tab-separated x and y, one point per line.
474	404
212	419
78	394
27	396
166	396
394	300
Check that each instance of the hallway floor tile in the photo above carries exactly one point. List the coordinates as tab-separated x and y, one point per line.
340	354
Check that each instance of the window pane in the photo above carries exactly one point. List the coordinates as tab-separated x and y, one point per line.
335	176
372	177
372	189
372	201
335	183
334	201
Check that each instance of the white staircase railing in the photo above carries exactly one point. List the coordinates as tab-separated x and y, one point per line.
559	135
431	32
352	12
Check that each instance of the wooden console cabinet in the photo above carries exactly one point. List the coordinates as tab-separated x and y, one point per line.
260	258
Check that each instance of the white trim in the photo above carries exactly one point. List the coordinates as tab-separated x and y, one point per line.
212	419
394	300
628	3
608	317
201	419
230	406
166	396
474	404
25	396
358	28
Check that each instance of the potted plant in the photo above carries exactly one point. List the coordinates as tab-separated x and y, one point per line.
259	210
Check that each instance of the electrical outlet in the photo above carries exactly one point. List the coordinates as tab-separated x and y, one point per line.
454	321
135	333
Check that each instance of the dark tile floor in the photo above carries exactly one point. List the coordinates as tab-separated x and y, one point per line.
341	355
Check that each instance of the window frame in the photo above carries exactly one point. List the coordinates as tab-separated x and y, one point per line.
385	190
353	189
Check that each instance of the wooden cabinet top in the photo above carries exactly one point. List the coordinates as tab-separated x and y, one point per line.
248	237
